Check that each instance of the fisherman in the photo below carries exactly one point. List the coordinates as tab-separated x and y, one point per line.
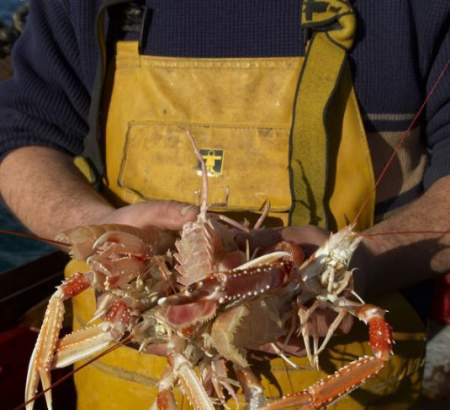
301	104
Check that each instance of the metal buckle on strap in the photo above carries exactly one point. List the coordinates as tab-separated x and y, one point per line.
336	17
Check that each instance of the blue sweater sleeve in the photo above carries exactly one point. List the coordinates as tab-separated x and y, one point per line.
433	34
45	103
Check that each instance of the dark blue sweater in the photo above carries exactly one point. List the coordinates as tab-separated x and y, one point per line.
402	46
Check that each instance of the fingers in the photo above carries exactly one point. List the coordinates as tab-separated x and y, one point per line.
260	238
308	237
305	235
168	214
162	214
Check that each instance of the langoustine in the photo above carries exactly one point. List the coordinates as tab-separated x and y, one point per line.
199	309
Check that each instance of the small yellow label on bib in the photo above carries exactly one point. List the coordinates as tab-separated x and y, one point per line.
213	161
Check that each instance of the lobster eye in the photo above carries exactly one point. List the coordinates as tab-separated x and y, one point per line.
194	286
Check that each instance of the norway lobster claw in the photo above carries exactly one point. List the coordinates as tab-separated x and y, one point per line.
249	280
353	375
117	255
42	357
200	301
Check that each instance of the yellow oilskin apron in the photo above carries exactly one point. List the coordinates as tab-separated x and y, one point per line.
284	130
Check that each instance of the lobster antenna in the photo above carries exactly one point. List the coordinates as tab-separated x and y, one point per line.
406	134
70	374
34	237
204	195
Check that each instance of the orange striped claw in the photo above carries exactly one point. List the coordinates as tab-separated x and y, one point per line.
380	331
331	388
75	285
380	338
165	401
43	354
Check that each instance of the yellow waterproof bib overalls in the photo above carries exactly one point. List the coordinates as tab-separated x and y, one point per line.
286	130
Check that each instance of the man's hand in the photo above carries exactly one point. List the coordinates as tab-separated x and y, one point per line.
410	246
308	237
161	214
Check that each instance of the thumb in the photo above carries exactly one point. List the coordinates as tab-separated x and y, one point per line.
166	214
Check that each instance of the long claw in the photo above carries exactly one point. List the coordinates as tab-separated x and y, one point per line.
46	380
43	353
331	388
300	401
191	384
304	315
254	392
165	401
32	381
103	305
81	344
305	336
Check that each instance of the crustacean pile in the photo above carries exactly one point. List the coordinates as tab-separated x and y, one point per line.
196	296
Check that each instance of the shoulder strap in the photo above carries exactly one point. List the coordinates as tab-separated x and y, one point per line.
93	155
333	24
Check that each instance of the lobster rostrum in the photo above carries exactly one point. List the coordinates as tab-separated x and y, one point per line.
197	297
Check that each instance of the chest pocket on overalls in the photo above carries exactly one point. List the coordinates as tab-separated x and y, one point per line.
239	111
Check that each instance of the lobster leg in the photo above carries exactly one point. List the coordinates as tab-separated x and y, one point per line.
221	382
333	327
190	383
117	255
254	392
42	357
81	344
75	346
353	375
165	399
333	387
182	370
380	332
304	315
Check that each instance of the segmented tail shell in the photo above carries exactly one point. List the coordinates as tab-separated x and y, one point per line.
196	252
